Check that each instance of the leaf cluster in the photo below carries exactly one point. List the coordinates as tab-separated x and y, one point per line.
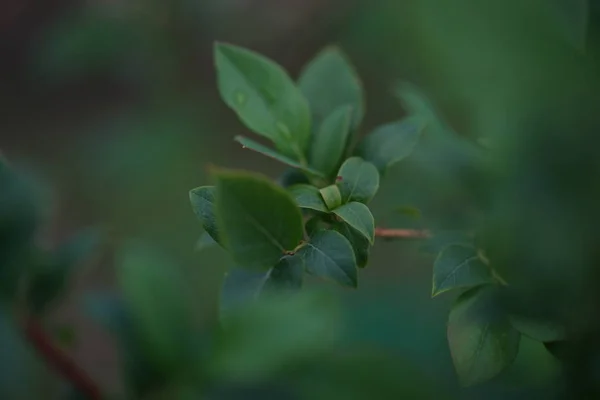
316	220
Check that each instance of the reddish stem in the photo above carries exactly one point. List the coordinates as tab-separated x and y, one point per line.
59	361
402	233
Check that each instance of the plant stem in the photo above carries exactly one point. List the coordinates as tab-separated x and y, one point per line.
402	233
59	361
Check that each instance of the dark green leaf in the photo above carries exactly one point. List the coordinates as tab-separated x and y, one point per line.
537	329
314	225
241	286
358	180
391	143
264	150
332	196
292	176
359	217
359	242
563	350
308	196
330	141
330	81
287	275
482	340
156	295
459	267
264	97
203	204
265	336
259	220
329	255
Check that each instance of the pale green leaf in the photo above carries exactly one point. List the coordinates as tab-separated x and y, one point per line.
330	141
457	267
358	180
308	196
329	255
259	221
482	340
332	196
329	81
266	151
359	217
264	97
391	143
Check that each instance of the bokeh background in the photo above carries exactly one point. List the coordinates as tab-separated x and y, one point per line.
112	104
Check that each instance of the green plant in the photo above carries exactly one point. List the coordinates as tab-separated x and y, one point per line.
317	220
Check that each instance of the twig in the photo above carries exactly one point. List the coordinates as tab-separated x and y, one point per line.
402	233
58	360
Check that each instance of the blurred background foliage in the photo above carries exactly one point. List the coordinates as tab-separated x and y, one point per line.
113	105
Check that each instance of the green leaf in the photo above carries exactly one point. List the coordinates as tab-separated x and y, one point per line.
329	255
417	104
330	141
391	143
203	205
359	217
457	267
258	220
332	196
538	329
264	150
264	97
242	286
266	336
308	196
358	180
330	81
292	176
51	273
360	244
315	224
155	294
482	340
287	275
